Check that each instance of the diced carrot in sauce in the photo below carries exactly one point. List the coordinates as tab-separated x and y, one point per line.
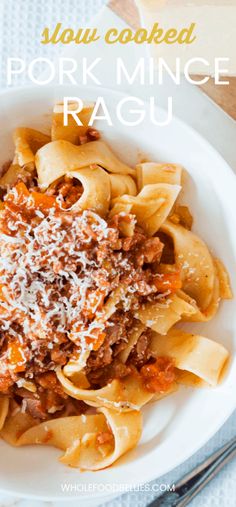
22	189
2	297
16	356
168	282
104	437
94	302
43	202
98	341
22	193
37	200
158	376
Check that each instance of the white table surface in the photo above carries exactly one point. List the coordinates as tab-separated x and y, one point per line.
21	23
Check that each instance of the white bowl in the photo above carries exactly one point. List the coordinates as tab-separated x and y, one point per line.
180	424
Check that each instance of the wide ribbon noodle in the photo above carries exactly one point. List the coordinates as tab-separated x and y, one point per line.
161	316
123	395
150	172
4	406
27	143
141	203
194	260
96	189
193	353
201	274
71	132
58	158
151	206
122	184
78	436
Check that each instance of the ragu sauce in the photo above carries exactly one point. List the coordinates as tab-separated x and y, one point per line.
58	269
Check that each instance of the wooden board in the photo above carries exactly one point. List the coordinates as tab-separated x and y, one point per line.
224	96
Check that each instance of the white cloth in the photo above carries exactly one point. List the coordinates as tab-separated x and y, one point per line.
21	24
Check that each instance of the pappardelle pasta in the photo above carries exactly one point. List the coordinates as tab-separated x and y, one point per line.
98	264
